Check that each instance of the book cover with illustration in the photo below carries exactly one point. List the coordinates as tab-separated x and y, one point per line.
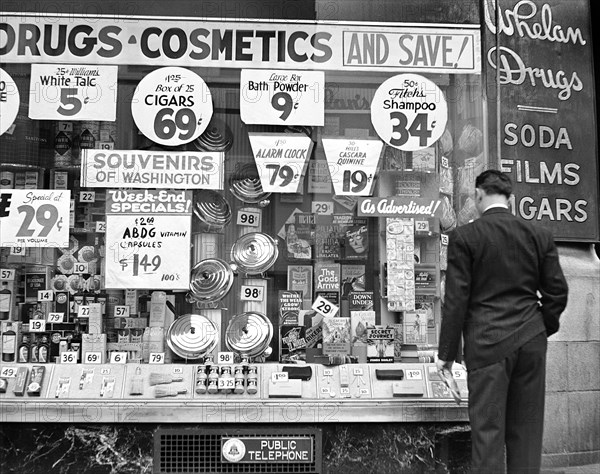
380	344
361	301
415	327
290	304
292	343
355	238
336	336
353	279
327	238
300	278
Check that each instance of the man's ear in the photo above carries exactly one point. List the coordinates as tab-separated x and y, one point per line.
479	194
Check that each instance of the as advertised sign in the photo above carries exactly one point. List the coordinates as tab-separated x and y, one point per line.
409	112
151	169
281	159
9	101
34	218
398	206
267	449
541	54
352	165
73	92
282	97
148	239
172	106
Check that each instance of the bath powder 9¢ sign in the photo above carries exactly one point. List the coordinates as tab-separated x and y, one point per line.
172	106
409	112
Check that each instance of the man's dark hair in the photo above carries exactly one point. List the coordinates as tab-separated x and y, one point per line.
494	182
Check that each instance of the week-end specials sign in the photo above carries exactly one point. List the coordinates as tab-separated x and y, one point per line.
148	239
543	63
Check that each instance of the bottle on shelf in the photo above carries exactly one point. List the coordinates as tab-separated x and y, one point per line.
5	301
76	340
34	349
9	344
44	349
24	350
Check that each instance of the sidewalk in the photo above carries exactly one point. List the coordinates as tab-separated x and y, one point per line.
587	469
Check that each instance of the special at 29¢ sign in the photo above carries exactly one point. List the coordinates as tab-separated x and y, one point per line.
409	112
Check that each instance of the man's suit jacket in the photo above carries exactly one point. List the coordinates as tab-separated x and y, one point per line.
496	267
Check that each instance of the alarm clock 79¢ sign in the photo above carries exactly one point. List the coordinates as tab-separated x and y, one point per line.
172	106
409	112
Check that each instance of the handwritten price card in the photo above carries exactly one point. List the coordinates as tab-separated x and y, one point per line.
172	106
409	112
281	159
352	165
282	97
34	218
73	92
148	239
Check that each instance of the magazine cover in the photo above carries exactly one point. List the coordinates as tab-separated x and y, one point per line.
299	278
415	327
327	242
336	336
353	279
290	304
380	344
292	343
361	301
360	322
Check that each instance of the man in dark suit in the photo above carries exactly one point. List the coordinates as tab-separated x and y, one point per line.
505	291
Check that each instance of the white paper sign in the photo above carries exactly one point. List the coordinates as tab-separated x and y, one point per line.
148	239
409	112
9	101
152	169
34	218
281	97
352	165
281	159
73	92
172	106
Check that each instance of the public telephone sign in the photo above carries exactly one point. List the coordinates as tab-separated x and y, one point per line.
267	449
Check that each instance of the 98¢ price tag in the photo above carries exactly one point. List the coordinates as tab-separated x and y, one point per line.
250	218
225	358
252	293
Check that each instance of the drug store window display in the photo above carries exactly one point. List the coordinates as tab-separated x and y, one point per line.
231	231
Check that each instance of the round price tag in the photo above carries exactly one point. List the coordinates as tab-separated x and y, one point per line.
172	106
409	112
9	98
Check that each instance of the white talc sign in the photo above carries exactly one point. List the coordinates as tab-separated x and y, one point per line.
281	159
9	101
172	106
352	165
148	239
34	218
282	97
409	112
151	169
73	92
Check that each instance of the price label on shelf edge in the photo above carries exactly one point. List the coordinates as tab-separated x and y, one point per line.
225	358
409	112
118	357
36	218
172	106
8	372
10	101
156	358
281	160
73	92
37	325
68	357
55	317
7	274
272	97
92	358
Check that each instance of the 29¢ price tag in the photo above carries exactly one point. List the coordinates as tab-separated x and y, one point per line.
92	358
37	325
323	208
156	358
172	106
422	226
100	227
7	274
279	377
55	317
8	372
118	357
325	307
45	295
68	357
252	293
121	311
248	218
225	358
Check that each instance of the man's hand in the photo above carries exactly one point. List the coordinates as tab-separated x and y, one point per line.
443	364
444	370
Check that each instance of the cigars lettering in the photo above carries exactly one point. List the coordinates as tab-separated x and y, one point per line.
547	122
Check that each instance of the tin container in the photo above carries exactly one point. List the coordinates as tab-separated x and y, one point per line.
210	280
192	336
254	253
217	137
211	210
249	335
246	186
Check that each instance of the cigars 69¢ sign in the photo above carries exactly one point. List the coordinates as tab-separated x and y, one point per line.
172	106
409	112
